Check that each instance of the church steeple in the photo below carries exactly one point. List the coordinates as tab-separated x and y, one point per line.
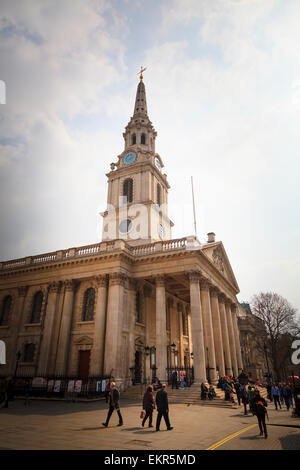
139	132
137	187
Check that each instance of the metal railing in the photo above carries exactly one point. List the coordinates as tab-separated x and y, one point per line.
182	372
58	386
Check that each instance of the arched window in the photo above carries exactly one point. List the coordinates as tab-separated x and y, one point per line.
128	189
88	305
138	309
133	139
158	194
143	139
5	311
36	307
29	350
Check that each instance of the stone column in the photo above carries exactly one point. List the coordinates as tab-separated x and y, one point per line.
231	339
208	330
237	338
197	329
132	320
113	325
161	331
65	328
18	321
225	337
97	353
179	308
217	331
54	289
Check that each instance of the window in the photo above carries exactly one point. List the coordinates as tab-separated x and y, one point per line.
5	311
29	350
88	305
133	139
36	307
128	189
143	139
158	194
168	326
184	324
138	309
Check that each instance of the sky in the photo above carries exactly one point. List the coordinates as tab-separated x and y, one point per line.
223	93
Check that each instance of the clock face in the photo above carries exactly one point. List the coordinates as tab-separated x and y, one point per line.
125	226
129	158
157	163
161	231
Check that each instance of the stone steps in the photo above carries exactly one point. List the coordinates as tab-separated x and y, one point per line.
188	396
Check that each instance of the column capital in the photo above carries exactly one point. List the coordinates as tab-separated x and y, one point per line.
214	291
69	285
132	283
160	280
100	280
54	287
205	284
194	276
22	291
222	297
117	278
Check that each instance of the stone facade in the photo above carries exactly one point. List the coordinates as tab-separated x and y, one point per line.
116	307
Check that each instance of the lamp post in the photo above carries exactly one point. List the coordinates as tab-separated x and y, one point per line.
266	355
17	363
208	375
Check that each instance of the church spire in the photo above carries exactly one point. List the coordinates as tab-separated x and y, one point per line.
140	107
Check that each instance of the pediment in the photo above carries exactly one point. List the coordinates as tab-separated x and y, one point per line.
217	254
87	340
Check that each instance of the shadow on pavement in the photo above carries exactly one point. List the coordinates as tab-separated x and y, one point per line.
290	442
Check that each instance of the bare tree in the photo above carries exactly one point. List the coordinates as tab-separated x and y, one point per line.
279	318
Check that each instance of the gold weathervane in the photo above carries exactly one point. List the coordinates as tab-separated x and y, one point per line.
141	73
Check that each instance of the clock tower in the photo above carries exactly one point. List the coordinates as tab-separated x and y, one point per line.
137	201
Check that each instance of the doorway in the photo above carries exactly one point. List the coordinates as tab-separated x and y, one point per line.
138	367
84	364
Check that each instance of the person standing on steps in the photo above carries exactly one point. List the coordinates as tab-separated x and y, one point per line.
162	408
113	399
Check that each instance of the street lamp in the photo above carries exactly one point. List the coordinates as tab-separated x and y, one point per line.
17	363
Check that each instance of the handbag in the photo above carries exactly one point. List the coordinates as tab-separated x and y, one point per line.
142	415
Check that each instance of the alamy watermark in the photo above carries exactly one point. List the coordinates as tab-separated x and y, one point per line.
2	92
296	354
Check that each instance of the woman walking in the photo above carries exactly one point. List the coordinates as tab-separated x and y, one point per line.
148	405
259	409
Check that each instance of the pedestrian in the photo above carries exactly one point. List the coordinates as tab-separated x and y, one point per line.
8	391
27	392
174	379
162	407
148	405
288	396
276	395
107	390
204	391
157	384
251	395
259	408
245	398
114	398
237	387
211	393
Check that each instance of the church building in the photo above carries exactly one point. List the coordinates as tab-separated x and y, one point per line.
135	305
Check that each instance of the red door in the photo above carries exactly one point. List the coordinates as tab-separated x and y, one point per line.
84	363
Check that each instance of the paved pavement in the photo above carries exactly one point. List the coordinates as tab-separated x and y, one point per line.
62	425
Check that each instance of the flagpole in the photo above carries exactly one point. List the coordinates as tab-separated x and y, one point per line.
195	226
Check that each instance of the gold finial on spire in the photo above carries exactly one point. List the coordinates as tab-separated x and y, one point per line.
141	72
